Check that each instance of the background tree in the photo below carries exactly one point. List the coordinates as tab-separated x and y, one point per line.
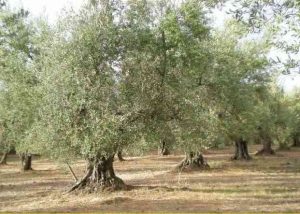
291	104
238	71
167	56
279	19
274	119
17	94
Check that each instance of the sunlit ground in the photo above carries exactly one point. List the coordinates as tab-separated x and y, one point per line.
263	184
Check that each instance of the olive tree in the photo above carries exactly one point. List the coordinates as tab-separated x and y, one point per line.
168	53
239	69
275	120
290	116
17	92
81	113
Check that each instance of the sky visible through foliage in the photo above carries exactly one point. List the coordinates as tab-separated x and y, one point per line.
51	9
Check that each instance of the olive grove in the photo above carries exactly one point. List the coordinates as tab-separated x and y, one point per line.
138	74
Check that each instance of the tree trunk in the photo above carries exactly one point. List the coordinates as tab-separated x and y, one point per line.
12	151
296	141
192	161
4	159
164	149
100	175
120	156
241	150
267	146
26	159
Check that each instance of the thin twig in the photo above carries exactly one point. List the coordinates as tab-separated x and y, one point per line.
71	170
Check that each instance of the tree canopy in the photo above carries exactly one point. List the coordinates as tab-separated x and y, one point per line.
132	74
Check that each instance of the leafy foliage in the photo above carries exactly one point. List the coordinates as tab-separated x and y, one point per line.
129	74
17	94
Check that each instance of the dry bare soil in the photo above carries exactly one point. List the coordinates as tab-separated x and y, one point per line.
263	184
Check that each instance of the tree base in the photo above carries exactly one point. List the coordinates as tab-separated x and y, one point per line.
241	150
3	160
111	184
265	152
165	152
192	161
120	156
100	176
26	160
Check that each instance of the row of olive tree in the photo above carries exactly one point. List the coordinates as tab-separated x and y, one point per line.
129	74
18	95
118	72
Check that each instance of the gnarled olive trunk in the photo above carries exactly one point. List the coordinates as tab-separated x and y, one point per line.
100	175
241	150
296	141
120	156
3	160
26	159
192	160
164	148
267	146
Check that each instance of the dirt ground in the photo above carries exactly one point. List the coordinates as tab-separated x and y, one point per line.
263	184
